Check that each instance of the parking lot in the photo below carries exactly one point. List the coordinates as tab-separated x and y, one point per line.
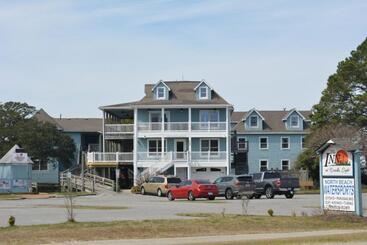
138	207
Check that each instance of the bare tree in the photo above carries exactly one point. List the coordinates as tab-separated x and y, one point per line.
245	201
69	206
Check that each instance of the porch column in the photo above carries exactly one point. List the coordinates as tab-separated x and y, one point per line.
189	159
190	119
163	121
228	140
103	140
135	147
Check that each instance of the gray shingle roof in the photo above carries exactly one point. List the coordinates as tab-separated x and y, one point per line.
182	93
273	121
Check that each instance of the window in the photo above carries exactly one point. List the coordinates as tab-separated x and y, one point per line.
161	93
242	144
209	146
173	180
39	165
209	119
253	122
263	165
285	142
263	143
155	147
257	176
294	121
203	93
272	175
302	142
201	170
285	165
215	170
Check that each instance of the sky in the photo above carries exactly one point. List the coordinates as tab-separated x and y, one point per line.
70	57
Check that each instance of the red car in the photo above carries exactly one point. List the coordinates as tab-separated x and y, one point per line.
192	189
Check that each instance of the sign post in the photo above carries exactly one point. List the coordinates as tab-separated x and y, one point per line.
340	178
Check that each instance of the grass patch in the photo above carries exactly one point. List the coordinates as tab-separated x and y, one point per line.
208	224
82	193
87	207
10	197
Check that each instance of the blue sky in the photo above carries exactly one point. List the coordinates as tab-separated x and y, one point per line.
69	57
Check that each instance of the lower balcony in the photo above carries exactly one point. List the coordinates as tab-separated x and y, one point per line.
109	159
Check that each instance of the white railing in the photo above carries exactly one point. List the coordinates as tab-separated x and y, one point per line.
119	128
180	156
101	157
155	156
183	126
208	156
208	126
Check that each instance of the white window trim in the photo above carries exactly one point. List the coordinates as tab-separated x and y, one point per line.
156	152
297	126
281	164
267	143
209	111
267	164
167	113
210	139
302	146
207	93
164	93
281	143
257	121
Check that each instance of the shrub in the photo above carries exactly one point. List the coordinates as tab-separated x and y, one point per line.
135	189
271	212
11	221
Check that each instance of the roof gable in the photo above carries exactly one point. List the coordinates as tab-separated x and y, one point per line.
161	82
291	112
203	82
252	111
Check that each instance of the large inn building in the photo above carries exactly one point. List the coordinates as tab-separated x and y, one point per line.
185	128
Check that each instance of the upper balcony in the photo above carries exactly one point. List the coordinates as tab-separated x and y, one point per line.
182	126
119	131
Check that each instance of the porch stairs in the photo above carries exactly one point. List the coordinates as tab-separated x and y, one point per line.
157	168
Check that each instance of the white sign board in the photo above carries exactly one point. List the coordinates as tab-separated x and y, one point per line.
339	194
337	162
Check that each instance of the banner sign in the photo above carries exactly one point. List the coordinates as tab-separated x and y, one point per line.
337	162
339	194
20	183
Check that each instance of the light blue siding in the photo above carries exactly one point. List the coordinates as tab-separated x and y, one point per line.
195	114
161	85
49	176
195	144
274	154
15	178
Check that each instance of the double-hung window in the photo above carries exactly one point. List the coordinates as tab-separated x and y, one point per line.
285	143
161	93
155	147
209	147
263	143
263	165
203	93
294	121
253	122
242	144
285	165
302	142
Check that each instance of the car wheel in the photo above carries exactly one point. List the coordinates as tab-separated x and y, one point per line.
142	191
228	194
170	196
191	196
257	196
269	193
159	192
289	195
211	198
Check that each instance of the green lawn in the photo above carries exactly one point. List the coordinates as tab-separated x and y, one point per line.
204	225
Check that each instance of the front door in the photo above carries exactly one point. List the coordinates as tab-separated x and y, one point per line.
180	149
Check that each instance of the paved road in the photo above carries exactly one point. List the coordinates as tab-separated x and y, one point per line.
48	211
223	239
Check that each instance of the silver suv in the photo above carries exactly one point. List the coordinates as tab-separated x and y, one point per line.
235	186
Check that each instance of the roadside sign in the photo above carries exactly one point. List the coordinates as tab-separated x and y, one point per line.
340	178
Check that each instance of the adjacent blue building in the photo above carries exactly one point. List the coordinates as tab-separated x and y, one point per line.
266	140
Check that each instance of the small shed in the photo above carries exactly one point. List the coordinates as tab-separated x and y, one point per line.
15	171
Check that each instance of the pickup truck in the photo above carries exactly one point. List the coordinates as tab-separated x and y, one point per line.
270	183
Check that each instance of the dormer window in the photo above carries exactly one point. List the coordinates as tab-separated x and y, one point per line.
203	93
161	93
294	121
253	122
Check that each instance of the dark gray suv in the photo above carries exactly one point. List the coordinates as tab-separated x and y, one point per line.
235	186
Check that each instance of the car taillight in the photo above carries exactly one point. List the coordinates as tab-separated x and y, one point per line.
278	183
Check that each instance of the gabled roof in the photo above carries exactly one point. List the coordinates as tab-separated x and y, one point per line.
10	158
159	82
273	121
291	112
250	112
203	81
43	116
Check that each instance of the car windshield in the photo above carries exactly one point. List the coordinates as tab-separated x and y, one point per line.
173	180
203	181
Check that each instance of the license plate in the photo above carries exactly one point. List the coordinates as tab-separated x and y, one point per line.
210	193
